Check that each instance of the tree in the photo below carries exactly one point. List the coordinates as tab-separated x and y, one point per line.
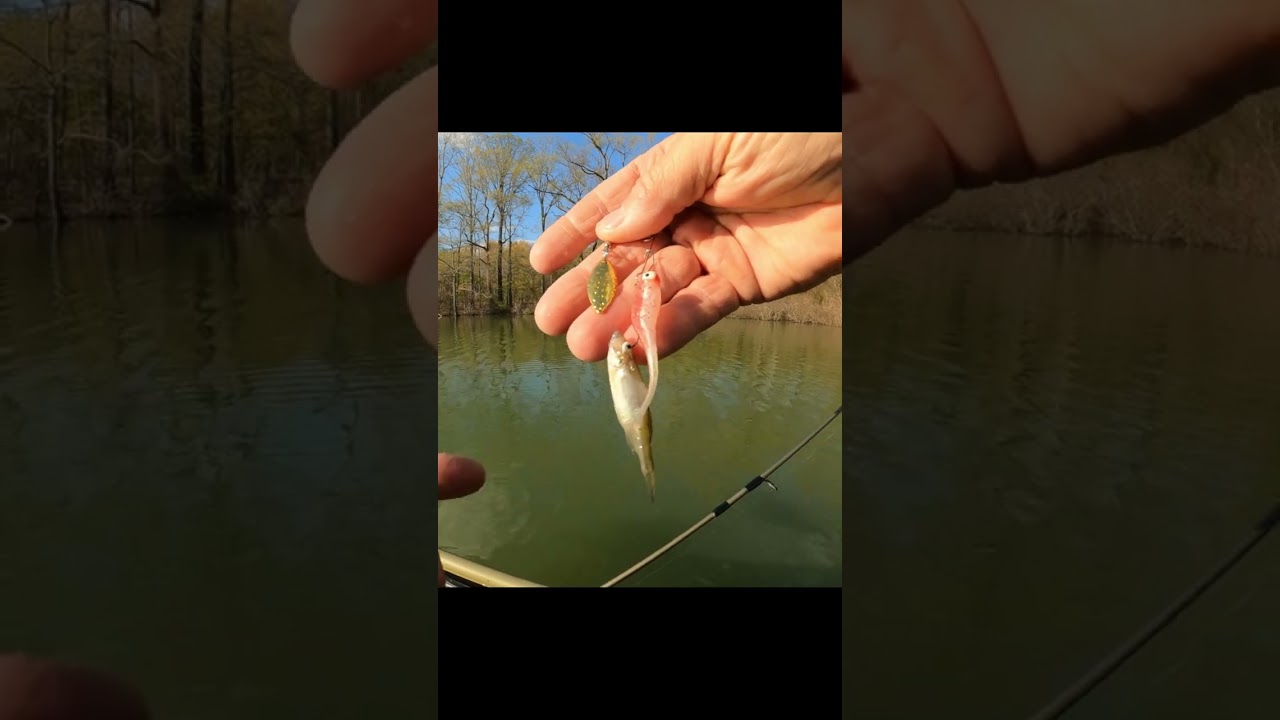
52	69
505	172
487	185
108	97
156	55
195	89
227	163
89	96
588	165
544	182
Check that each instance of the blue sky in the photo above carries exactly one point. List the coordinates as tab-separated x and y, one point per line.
576	138
530	225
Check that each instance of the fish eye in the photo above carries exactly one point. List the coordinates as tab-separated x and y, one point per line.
626	346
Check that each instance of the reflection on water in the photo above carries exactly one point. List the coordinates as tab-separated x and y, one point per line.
564	501
214	459
1049	441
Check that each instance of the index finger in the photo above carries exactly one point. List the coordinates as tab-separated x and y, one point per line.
567	296
576	229
457	476
341	43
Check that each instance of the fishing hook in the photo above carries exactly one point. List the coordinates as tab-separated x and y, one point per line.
648	258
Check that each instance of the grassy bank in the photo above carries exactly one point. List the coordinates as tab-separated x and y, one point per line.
1213	187
818	306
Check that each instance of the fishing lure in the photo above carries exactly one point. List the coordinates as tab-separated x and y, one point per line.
602	285
644	317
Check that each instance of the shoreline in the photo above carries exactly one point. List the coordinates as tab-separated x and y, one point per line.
1163	242
199	213
731	316
948	218
822	306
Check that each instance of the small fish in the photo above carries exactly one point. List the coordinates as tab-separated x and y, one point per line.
644	317
628	389
602	285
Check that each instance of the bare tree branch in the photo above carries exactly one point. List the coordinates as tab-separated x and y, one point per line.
152	7
145	50
588	170
18	49
121	148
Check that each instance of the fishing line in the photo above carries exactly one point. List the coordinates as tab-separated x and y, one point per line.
655	569
722	508
1112	662
648	259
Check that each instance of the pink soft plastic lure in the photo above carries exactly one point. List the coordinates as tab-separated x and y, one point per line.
644	317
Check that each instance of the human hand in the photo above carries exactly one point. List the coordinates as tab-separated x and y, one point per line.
371	210
371	215
34	687
961	93
456	477
741	218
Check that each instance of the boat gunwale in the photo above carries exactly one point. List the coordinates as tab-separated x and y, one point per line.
468	573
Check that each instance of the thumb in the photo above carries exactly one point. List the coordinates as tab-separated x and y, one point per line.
670	177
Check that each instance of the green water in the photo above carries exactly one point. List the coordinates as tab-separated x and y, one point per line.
216	457
564	502
1047	442
215	471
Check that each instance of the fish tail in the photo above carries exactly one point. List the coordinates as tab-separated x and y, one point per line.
646	456
650	479
653	383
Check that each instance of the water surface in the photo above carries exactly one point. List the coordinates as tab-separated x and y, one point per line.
564	501
216	456
1047	442
214	471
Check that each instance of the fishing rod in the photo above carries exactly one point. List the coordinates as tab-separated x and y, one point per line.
1104	669
722	508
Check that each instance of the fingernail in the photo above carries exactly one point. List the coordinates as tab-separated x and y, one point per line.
614	220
